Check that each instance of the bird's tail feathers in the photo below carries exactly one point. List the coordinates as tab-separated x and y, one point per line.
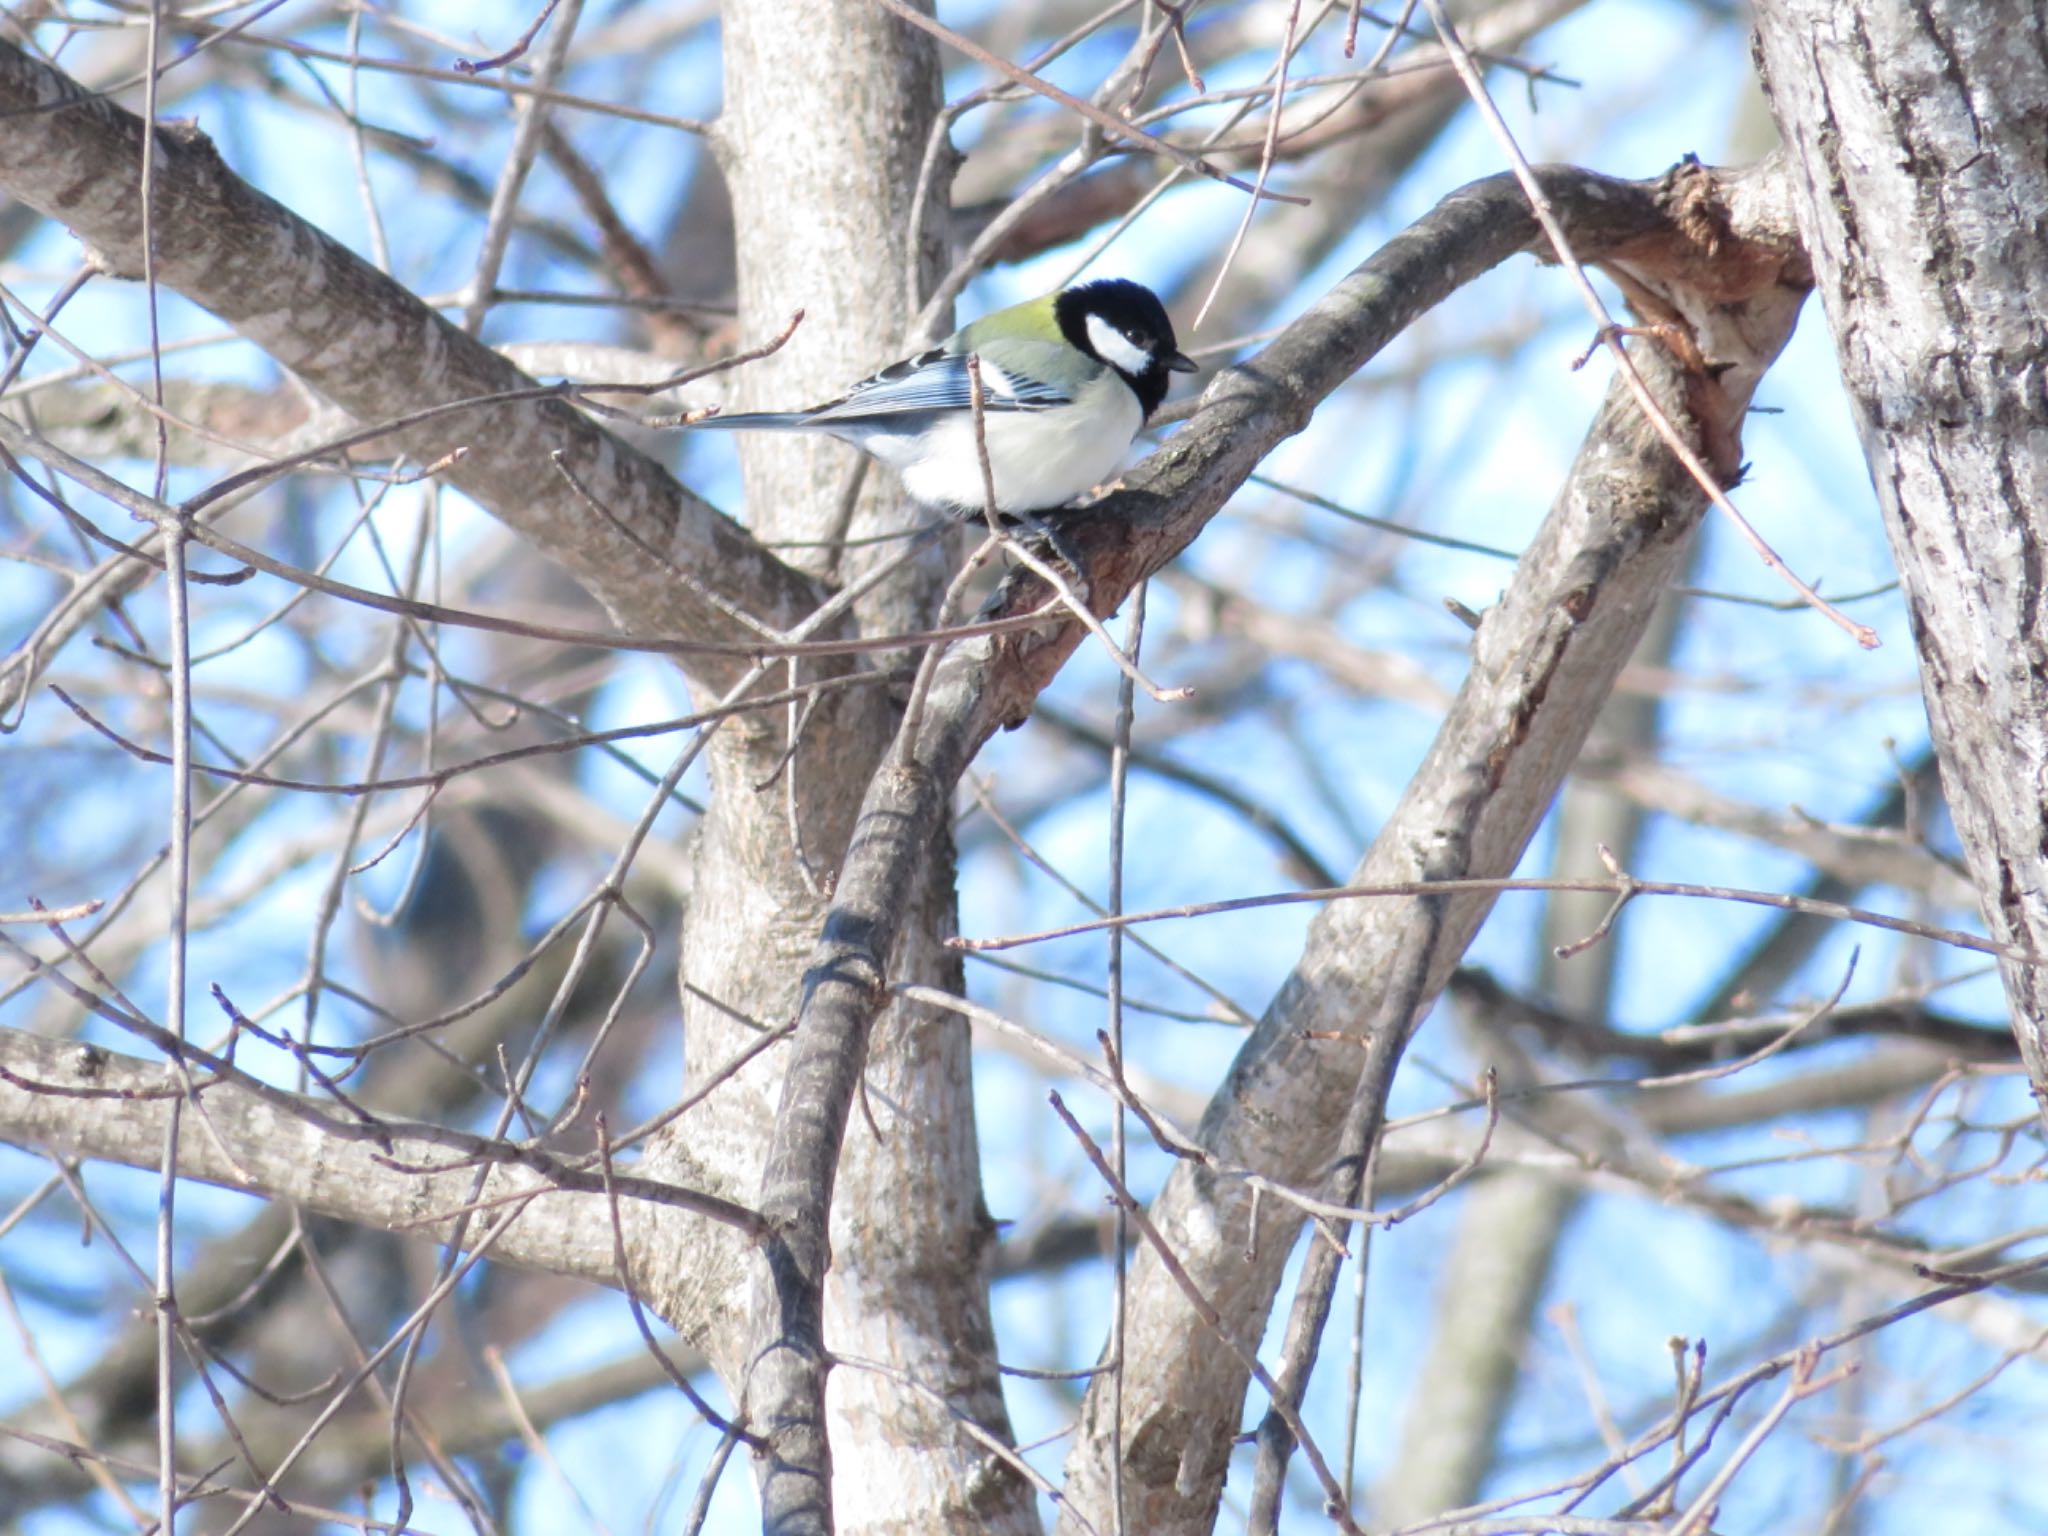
758	421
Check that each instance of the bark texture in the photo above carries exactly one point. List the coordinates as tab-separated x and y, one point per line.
1922	190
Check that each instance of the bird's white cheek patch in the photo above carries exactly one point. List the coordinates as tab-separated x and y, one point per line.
1115	348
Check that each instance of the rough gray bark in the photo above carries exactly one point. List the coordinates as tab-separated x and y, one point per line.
1914	134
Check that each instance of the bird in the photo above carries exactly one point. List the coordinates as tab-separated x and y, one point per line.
1068	379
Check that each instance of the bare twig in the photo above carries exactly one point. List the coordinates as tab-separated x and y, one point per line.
1108	121
518	49
1628	885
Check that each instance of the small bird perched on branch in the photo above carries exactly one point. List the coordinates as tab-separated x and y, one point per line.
1067	381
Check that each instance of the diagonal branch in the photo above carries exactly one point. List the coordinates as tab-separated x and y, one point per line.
374	349
292	1148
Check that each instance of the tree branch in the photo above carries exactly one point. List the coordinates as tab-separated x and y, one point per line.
367	344
53	1095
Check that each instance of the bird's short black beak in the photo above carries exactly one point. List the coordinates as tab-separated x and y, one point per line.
1180	362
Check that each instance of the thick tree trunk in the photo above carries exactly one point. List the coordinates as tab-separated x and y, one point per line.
828	111
1915	134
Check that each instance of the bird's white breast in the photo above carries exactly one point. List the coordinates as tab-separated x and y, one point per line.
1039	459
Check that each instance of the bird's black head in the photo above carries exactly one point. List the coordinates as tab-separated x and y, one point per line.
1123	324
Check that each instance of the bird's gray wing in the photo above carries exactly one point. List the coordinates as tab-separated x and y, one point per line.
937	381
